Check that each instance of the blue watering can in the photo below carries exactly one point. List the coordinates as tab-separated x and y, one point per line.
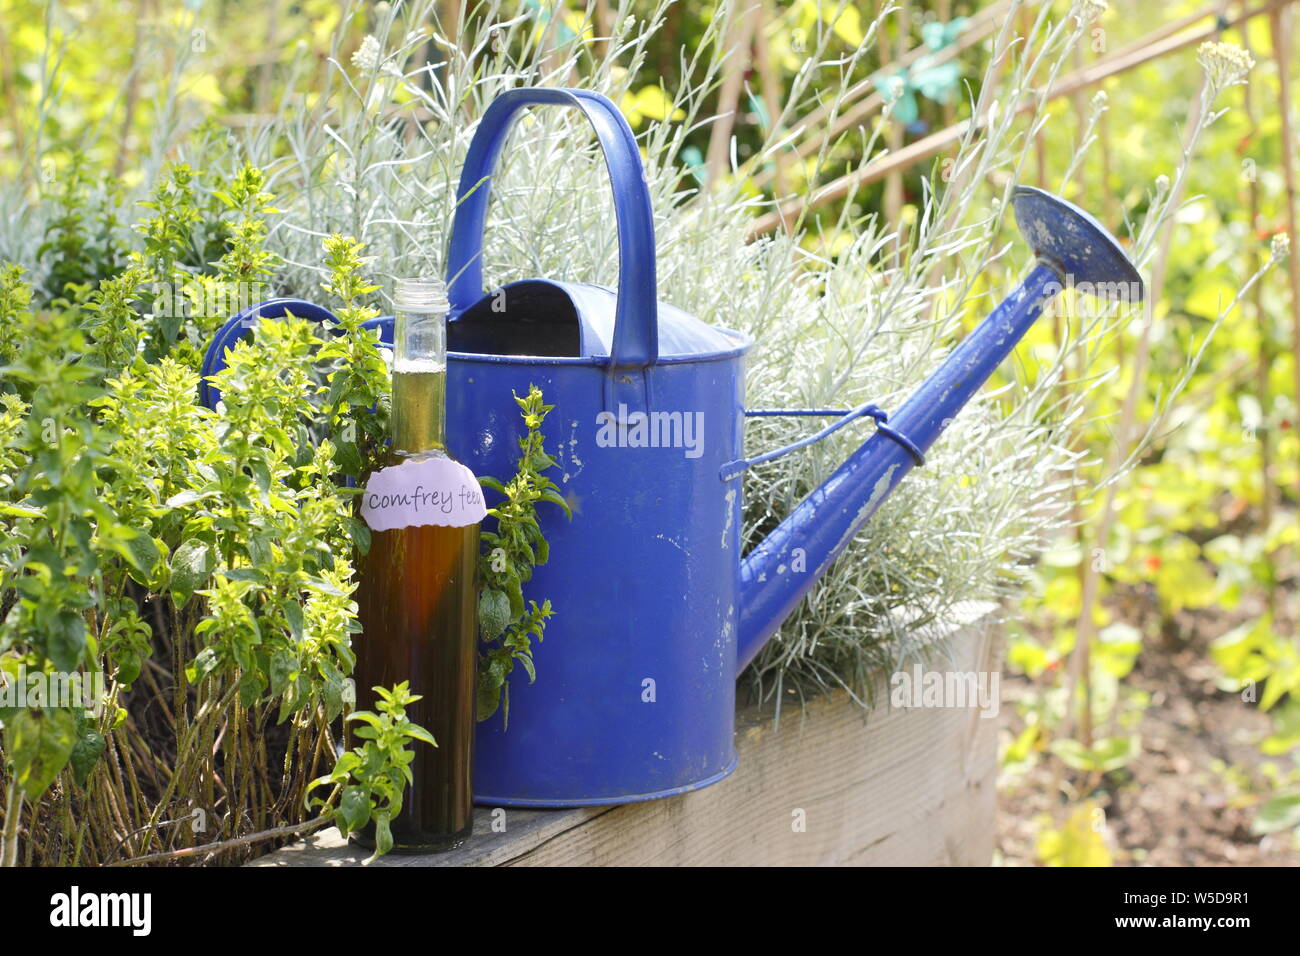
657	611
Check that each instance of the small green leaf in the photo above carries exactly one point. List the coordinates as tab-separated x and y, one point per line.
259	549
141	554
86	753
383	835
354	808
333	695
527	661
493	613
126	666
293	616
205	662
67	640
261	475
488	697
348	458
554	497
251	687
191	565
183	498
283	665
1280	813
416	732
40	744
360	535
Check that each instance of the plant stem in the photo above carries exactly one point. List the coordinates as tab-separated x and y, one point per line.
13	810
290	830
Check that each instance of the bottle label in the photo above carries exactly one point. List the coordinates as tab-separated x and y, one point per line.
423	491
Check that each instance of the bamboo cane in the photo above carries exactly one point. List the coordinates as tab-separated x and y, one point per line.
132	90
13	814
950	107
604	20
893	198
293	829
8	79
1080	656
1264	356
770	81
738	33
1280	24
938	141
1040	143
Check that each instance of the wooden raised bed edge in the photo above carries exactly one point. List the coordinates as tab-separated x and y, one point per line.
900	787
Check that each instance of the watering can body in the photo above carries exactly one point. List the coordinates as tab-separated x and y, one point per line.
656	610
635	693
635	690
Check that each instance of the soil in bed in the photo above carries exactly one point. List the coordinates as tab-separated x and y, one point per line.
1189	798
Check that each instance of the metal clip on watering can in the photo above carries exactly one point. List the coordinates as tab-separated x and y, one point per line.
656	609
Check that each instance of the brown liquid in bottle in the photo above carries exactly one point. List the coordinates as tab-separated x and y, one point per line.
417	602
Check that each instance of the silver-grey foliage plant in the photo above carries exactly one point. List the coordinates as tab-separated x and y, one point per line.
374	149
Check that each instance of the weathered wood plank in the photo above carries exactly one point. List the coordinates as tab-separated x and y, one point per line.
893	787
525	829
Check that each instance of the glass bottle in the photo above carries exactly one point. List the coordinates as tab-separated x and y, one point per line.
417	594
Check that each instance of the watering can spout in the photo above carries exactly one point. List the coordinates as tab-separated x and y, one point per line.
1073	250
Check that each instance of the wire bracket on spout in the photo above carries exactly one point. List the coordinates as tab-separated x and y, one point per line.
882	425
881	417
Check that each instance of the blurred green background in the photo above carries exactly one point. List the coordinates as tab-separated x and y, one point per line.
1189	693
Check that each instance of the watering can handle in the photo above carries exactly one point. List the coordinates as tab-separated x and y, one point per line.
636	331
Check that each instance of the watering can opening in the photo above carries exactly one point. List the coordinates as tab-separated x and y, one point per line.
549	319
533	317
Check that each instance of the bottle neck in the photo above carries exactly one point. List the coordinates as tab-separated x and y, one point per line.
419	415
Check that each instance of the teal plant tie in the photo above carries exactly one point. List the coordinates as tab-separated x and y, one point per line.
544	16
933	81
936	34
760	112
899	95
694	161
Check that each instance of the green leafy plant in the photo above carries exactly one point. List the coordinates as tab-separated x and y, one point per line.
507	626
369	779
195	562
81	246
358	400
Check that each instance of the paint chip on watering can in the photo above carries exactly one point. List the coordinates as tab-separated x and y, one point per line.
675	544
729	503
573	455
